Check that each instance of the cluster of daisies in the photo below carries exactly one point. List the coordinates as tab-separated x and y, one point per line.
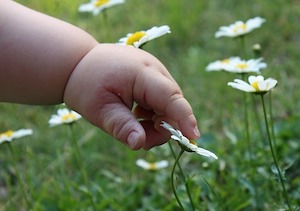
63	116
256	83
137	39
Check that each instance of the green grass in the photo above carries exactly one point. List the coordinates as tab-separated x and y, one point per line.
46	159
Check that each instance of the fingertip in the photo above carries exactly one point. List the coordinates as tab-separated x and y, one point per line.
135	140
197	131
189	127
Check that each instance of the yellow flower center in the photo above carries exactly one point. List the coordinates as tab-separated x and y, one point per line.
255	85
8	133
193	142
135	37
68	116
99	3
239	27
152	166
225	61
242	66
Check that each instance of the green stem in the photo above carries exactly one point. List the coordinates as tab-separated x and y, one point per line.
214	192
172	151
272	121
249	146
242	38
61	169
80	165
256	114
172	178
186	186
246	118
20	181
105	26
183	178
273	153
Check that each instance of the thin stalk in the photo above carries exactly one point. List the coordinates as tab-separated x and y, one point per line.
249	146
272	121
247	126
256	114
273	153
187	187
246	118
172	178
243	44
105	26
20	181
214	192
61	169
81	166
172	151
183	178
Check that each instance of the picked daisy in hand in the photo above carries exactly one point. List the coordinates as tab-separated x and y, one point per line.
256	84
185	143
245	66
64	116
140	38
10	135
152	166
239	28
96	6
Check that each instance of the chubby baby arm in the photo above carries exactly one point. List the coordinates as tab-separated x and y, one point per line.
112	79
38	54
44	60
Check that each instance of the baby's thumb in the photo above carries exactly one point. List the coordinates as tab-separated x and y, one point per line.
118	120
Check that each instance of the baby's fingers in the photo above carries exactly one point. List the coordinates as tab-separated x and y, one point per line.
161	94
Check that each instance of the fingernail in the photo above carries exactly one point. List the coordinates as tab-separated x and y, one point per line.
132	139
196	131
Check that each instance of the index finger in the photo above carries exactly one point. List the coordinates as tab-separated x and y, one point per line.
161	94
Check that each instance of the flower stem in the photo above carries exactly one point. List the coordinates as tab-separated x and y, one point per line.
20	181
249	145
243	44
247	124
80	165
273	154
172	178
105	26
183	178
186	186
272	121
256	114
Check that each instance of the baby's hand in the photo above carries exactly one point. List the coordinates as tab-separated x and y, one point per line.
127	92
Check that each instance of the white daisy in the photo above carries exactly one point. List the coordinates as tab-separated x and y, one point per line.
256	84
152	166
64	116
139	38
10	135
219	65
239	28
96	6
245	66
185	143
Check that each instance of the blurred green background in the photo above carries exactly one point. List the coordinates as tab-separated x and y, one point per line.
46	159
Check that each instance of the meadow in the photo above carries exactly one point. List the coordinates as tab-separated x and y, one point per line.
244	176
